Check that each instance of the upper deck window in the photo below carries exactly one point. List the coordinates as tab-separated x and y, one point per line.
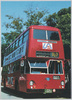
45	35
39	34
25	37
16	43
53	35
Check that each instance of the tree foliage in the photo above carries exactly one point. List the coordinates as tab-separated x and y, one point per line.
16	25
3	46
34	17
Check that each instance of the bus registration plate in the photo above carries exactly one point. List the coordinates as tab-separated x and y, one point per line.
48	91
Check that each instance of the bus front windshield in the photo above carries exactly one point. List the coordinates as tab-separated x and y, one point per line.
45	35
54	67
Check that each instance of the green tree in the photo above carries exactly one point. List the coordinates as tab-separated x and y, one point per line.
3	46
16	25
34	17
62	20
52	20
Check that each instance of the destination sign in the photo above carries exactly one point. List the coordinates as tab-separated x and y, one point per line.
47	54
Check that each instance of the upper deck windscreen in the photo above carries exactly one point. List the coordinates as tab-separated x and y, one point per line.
46	35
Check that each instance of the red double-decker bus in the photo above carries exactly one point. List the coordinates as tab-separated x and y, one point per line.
34	61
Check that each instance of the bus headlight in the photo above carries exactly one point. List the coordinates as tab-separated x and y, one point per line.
31	82
62	82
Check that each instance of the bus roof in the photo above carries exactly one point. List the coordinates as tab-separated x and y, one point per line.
43	27
36	27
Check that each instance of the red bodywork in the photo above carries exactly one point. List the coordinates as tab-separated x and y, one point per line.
34	45
40	81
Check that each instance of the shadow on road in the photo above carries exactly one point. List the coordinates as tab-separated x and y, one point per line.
11	92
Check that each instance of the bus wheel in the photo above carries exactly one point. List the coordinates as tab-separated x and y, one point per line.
4	84
16	85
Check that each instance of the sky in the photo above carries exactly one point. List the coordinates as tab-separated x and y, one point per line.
16	9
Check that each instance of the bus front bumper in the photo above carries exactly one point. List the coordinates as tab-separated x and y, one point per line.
44	91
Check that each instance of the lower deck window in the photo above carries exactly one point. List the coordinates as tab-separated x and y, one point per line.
55	67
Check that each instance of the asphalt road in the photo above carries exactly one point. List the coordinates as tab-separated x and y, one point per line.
12	94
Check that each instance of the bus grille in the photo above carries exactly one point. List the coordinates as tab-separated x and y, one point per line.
47	54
